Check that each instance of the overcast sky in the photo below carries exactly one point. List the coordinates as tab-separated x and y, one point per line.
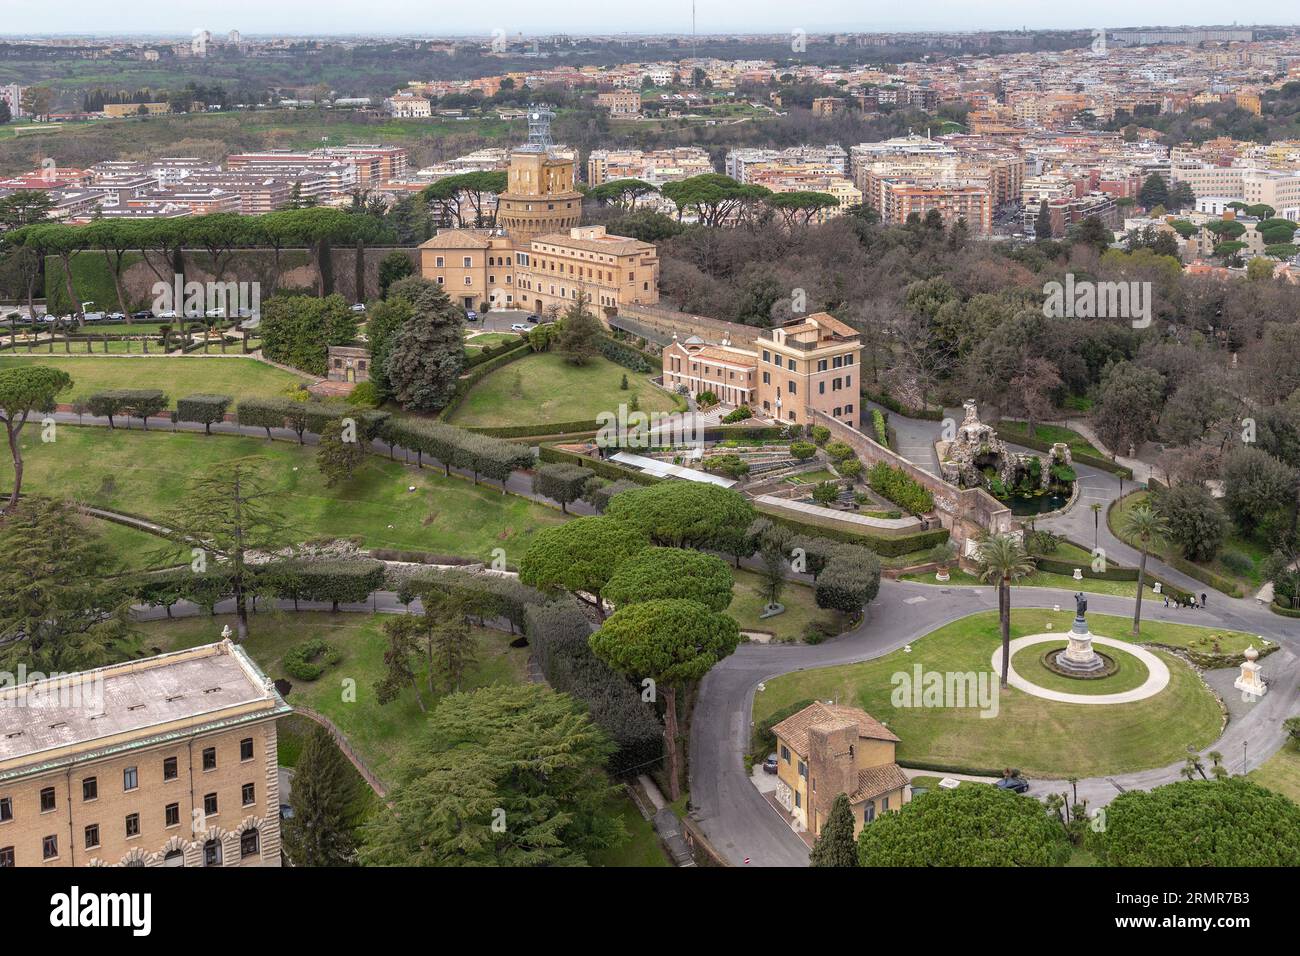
443	17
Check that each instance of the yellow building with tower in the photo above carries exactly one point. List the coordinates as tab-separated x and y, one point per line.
540	257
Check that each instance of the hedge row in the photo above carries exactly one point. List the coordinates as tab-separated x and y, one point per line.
1216	581
347	581
885	546
204	409
1277	608
559	634
492	595
304	417
623	355
894	405
605	469
543	429
483	356
457	448
142	403
1105	464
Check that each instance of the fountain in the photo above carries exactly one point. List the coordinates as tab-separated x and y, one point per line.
1078	658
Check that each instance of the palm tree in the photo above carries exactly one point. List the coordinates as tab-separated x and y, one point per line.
1002	558
1149	529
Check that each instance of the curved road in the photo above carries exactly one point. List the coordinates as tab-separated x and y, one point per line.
740	822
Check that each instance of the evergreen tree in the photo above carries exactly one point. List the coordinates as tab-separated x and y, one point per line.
320	831
579	334
1043	224
836	846
428	352
340	453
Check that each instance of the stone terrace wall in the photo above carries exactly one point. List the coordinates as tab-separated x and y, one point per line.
965	512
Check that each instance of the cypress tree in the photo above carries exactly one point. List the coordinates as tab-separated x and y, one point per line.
835	846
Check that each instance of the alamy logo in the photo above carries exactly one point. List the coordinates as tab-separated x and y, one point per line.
1085	299
76	909
962	689
196	300
636	429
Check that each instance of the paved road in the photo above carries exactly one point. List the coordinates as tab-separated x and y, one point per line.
742	824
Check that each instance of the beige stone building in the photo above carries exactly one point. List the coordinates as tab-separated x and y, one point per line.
805	364
539	256
828	749
166	761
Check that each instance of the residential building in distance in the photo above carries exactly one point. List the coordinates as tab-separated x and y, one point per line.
119	110
828	749
12	95
621	104
166	761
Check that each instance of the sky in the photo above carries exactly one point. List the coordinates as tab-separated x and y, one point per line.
444	17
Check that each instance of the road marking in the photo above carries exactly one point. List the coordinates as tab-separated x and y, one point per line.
914	600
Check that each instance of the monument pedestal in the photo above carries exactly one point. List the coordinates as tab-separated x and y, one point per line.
1078	656
1251	680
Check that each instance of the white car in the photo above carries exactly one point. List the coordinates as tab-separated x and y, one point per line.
520	327
359	307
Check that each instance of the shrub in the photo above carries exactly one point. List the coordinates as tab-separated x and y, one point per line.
205	409
838	450
732	466
561	482
1196	520
878	423
365	395
737	415
623	355
308	660
900	488
141	403
1237	562
802	450
849	467
821	434
706	399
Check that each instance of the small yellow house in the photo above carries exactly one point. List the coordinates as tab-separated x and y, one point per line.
828	749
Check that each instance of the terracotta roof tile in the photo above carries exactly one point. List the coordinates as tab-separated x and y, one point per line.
875	781
794	729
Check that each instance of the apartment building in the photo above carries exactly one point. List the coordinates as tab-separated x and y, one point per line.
119	110
12	95
166	761
728	372
621	104
900	200
657	166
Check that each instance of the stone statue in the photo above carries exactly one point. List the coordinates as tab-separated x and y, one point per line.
1080	605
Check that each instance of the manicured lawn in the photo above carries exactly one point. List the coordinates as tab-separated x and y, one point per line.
1042	580
382	734
544	388
1008	431
1028	662
1233	541
178	376
143	473
136	549
1043	738
800	607
1281	772
480	339
642	846
813	477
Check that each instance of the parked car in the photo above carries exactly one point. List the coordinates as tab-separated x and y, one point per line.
359	307
286	812
143	315
769	765
116	316
1014	784
471	315
215	314
520	327
167	314
534	319
93	317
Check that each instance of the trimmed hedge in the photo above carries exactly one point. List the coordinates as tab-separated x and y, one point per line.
482	357
204	409
336	581
1216	581
303	417
900	488
624	355
559	634
544	429
1284	611
494	596
894	405
308	660
886	547
139	403
457	448
605	469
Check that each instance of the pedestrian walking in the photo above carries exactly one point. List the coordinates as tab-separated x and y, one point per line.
1202	599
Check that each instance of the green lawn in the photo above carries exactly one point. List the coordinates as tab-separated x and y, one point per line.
1257	552
382	734
642	846
1008	431
141	473
178	376
800	607
476	341
1042	580
1281	772
544	388
1041	737
1028	662
813	477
